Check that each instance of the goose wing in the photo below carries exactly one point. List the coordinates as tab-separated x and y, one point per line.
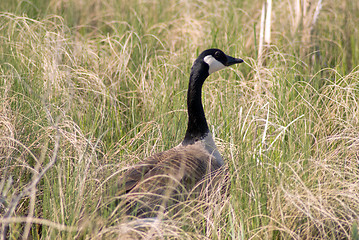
186	165
166	177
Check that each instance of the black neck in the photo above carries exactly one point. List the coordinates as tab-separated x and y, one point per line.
197	125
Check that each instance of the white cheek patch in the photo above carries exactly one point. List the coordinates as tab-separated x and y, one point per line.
214	64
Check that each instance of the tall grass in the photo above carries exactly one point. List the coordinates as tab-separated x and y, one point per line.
89	88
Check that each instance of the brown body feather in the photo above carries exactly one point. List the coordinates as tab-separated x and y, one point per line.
167	177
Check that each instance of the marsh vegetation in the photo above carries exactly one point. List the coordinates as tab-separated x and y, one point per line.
88	88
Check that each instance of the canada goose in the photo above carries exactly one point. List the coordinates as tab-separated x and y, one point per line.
166	175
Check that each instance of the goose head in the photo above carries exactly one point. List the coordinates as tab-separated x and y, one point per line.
213	60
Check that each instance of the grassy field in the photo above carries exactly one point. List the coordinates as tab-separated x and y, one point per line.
89	87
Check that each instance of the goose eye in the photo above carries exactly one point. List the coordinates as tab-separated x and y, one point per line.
217	54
